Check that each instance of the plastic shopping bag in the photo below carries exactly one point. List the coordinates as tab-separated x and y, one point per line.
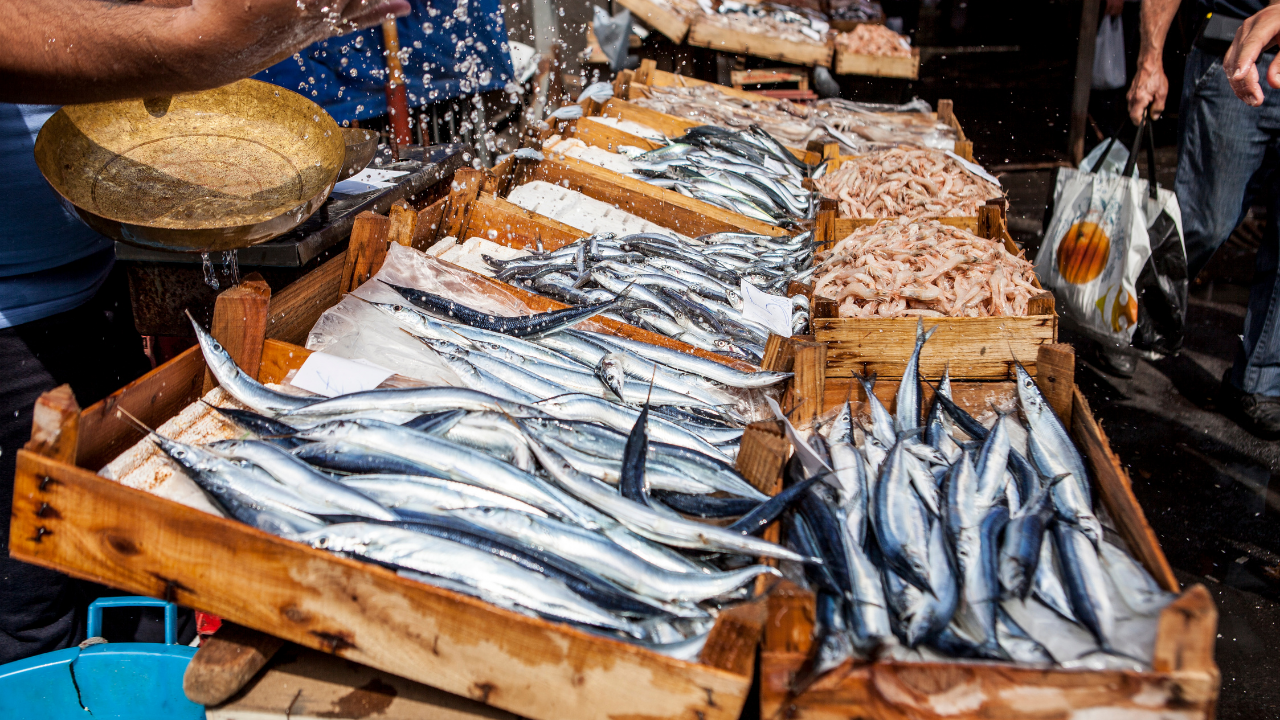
1113	256
1108	55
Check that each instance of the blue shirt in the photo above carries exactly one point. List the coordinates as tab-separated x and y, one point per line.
449	49
50	262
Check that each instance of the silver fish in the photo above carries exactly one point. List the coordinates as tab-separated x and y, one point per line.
247	390
428	494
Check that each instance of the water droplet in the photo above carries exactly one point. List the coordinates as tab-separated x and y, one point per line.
210	277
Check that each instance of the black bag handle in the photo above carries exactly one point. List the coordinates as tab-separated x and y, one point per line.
1144	128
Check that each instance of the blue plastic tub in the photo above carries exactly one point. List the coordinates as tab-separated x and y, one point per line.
134	681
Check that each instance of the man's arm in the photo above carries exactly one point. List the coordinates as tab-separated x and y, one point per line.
74	51
1240	63
1150	86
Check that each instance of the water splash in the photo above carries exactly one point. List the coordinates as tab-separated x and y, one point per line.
210	277
231	267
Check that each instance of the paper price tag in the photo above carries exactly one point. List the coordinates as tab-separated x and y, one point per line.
974	168
772	311
331	376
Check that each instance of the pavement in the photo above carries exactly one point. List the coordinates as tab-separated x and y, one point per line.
1202	480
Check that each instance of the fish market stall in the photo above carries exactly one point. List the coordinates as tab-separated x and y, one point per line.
669	17
69	516
765	30
1137	645
875	50
986	346
858	127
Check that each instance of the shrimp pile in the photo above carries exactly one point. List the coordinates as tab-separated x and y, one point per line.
905	182
900	268
874	40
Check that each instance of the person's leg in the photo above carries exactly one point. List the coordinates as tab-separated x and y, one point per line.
96	349
1220	148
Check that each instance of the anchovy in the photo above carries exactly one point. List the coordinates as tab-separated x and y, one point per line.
908	400
261	426
519	326
499	579
301	478
414	493
414	400
611	561
646	522
248	391
901	523
456	461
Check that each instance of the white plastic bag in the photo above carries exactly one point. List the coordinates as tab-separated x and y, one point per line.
1094	250
1108	55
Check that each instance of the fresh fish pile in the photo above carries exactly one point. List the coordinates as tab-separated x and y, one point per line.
859	127
572	509
938	533
747	172
686	290
858	11
905	182
898	268
784	22
867	39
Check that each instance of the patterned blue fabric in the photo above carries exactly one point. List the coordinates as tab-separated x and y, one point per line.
454	48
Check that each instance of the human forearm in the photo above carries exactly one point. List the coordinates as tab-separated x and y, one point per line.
1156	17
72	51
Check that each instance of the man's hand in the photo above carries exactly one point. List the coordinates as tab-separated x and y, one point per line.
1241	62
1150	88
74	51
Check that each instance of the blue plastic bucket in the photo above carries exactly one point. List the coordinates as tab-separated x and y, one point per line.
134	681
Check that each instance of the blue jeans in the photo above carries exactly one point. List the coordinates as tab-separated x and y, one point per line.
1228	155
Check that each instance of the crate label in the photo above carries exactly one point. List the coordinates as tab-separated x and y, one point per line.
771	311
331	376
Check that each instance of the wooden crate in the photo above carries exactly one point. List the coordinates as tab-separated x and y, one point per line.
704	32
1184	680
648	75
663	18
68	518
848	63
976	348
667	208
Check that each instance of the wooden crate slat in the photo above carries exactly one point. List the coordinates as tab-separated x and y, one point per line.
658	205
708	34
663	18
848	63
975	348
295	309
99	530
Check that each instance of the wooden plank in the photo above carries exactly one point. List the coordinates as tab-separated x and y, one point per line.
1187	634
806	389
226	662
303	684
239	323
506	223
661	17
598	134
622	83
848	63
152	398
278	358
976	348
467	184
731	644
368	248
825	230
55	425
763	454
970	691
1116	493
769	76
844	226
404	220
658	205
134	541
1056	377
974	397
709	34
426	229
295	309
